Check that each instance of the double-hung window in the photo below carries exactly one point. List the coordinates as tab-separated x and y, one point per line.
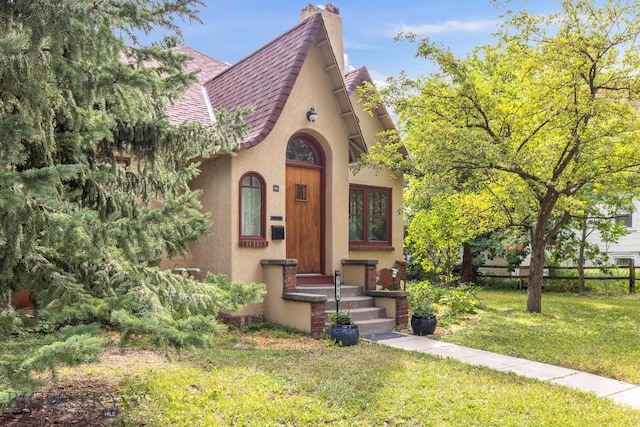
369	216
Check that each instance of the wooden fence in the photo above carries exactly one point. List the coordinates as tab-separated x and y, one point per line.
522	274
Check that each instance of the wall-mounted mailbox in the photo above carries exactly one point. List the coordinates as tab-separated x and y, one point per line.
277	232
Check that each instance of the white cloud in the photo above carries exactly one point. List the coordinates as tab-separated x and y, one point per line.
452	26
347	66
379	79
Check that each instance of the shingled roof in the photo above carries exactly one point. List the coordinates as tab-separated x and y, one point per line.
193	104
265	79
356	77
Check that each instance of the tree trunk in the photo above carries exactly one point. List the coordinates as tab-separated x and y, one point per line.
540	235
467	269
580	259
536	271
538	257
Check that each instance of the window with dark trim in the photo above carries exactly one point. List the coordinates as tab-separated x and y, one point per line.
123	160
252	207
369	216
626	219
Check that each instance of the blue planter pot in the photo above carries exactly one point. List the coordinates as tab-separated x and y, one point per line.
423	325
345	335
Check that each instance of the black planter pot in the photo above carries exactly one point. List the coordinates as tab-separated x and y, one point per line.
423	325
345	335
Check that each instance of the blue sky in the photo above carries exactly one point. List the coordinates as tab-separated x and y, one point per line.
233	29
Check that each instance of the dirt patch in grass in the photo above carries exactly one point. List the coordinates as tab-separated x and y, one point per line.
84	395
294	342
80	402
87	395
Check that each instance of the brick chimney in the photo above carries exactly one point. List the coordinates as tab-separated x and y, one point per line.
333	23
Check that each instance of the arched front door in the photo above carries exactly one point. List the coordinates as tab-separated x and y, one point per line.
305	201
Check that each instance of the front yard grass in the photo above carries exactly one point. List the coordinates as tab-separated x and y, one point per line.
600	335
274	377
262	379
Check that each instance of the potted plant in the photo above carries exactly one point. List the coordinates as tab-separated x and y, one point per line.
423	316
343	329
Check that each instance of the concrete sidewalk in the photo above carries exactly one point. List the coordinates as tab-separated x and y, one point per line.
618	391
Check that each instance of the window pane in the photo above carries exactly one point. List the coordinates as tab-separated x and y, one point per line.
301	151
356	215
625	219
251	212
378	230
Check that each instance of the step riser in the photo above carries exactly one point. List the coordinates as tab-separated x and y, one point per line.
378	326
329	291
362	314
350	303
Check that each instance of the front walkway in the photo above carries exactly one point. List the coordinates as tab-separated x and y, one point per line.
618	391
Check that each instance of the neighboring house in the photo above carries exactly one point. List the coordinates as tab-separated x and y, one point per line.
621	253
286	210
627	247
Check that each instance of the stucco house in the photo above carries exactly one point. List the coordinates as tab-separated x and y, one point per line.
286	209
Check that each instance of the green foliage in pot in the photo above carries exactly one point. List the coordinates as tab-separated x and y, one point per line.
342	318
421	299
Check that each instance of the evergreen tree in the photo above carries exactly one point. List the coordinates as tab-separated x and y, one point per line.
84	232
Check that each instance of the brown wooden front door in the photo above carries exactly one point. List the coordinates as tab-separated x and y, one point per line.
304	217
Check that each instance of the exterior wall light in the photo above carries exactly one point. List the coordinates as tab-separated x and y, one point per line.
312	115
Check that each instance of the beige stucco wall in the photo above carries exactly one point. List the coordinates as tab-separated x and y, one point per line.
389	304
370	126
289	313
210	252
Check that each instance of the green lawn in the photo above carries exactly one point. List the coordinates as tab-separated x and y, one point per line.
239	383
600	335
271	377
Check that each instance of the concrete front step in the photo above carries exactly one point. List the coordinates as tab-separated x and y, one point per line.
373	326
369	318
349	303
329	291
358	314
376	326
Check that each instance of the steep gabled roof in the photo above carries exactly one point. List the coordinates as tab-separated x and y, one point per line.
206	66
265	79
193	104
355	78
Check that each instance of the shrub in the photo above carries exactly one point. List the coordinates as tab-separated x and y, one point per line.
447	302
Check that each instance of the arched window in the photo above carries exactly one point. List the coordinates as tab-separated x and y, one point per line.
252	207
300	150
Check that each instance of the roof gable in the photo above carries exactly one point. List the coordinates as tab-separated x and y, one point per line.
355	78
264	79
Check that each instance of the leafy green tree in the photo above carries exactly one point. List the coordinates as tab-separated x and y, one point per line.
437	233
84	233
572	243
539	119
